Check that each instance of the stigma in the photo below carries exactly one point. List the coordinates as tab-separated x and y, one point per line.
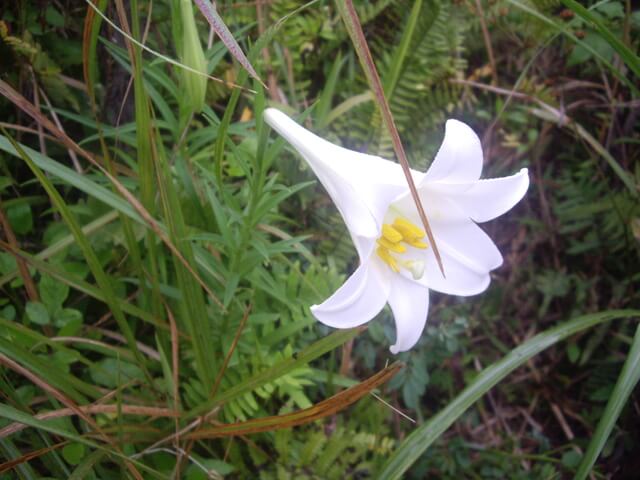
394	239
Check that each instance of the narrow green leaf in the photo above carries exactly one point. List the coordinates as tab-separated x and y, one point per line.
423	437
401	51
625	384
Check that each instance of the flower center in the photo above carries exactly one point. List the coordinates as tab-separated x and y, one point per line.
393	239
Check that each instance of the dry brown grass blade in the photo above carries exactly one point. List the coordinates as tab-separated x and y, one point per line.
28	108
11	464
87	31
33	378
322	409
140	410
352	22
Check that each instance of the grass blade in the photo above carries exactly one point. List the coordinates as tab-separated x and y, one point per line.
627	381
423	437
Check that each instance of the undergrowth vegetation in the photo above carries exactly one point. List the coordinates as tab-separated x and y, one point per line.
160	247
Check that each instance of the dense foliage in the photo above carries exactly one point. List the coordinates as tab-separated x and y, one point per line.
160	248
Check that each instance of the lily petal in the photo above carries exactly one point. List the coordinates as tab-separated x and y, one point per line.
357	301
468	255
362	186
484	200
409	302
459	158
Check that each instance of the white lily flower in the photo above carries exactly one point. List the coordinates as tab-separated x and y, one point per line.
396	264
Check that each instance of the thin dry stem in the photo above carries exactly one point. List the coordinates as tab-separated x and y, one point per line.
141	410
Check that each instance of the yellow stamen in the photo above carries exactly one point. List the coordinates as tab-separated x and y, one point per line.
394	247
407	229
402	230
415	243
387	258
391	234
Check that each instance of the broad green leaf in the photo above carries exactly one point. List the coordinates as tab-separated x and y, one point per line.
74	453
37	313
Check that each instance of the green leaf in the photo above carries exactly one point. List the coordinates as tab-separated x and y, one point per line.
73	453
68	319
570	459
37	313
112	372
573	352
53	17
20	218
423	437
196	472
53	292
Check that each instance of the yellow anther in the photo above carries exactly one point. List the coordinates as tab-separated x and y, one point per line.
394	247
391	234
393	238
416	243
407	229
387	258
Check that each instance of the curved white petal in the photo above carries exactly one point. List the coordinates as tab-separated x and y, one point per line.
357	301
409	302
362	186
484	200
459	158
